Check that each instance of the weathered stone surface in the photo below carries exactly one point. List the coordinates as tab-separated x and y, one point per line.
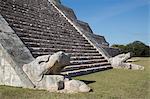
46	65
132	66
97	40
71	86
50	82
119	61
44	28
14	55
4	25
8	75
133	60
75	86
53	88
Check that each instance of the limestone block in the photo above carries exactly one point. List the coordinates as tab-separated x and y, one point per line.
75	86
50	82
8	74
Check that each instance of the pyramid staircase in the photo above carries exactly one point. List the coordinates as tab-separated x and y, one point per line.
44	30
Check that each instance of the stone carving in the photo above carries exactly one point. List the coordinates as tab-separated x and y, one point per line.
45	70
119	61
46	65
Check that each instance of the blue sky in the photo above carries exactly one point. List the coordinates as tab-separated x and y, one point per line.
120	21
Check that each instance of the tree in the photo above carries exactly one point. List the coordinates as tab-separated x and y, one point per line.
121	47
138	48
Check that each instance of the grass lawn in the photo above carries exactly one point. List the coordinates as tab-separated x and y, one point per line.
110	84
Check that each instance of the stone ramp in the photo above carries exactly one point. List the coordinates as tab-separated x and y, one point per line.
44	30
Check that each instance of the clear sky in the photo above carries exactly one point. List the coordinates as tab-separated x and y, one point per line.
119	21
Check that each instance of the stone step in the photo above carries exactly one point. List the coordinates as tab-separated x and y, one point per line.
78	62
84	66
25	11
53	45
72	54
29	13
26	40
50	39
55	38
50	52
62	45
46	31
13	20
29	19
86	57
33	13
86	71
45	49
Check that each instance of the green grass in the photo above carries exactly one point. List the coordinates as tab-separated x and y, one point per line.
110	84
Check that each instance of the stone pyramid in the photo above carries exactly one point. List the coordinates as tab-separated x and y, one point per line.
31	28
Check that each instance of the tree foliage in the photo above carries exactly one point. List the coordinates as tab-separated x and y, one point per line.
137	48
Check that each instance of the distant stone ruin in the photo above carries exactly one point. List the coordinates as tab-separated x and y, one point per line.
34	28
